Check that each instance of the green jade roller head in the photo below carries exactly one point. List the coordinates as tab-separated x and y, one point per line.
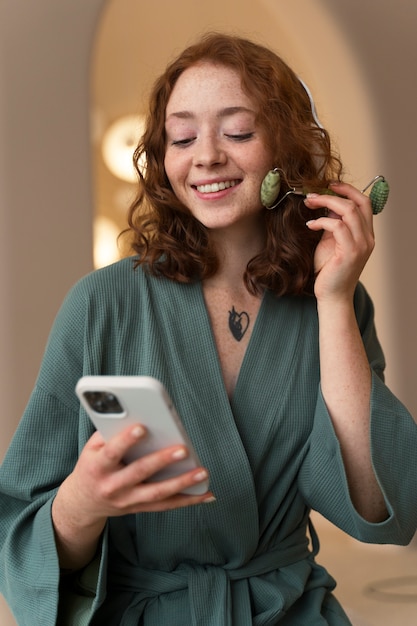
271	186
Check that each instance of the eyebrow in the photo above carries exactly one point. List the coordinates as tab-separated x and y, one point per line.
226	112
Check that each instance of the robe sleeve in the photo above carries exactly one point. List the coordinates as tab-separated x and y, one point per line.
393	431
43	452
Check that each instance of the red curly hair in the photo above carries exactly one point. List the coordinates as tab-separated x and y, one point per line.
169	241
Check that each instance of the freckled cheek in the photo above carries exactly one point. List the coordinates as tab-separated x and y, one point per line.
170	172
171	164
176	174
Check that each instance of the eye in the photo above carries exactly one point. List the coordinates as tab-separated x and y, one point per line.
241	137
182	142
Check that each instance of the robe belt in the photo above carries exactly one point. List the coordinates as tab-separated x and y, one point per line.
208	585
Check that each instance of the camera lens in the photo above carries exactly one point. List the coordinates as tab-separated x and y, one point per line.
103	402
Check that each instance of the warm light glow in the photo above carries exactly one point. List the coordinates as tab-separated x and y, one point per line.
119	143
106	250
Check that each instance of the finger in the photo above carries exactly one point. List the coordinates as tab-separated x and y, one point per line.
357	197
162	490
336	228
128	493
174	502
349	236
114	450
338	206
342	191
357	221
143	469
96	441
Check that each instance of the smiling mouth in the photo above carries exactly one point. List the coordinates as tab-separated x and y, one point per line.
213	187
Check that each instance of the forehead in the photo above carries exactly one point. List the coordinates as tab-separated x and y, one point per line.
205	85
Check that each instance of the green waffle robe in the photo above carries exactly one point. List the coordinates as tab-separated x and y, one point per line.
245	559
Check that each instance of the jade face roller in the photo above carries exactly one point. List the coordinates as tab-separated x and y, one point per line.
271	186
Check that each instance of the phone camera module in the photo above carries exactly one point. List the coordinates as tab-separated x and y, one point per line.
103	402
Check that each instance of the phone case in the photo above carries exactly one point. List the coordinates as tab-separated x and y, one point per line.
115	402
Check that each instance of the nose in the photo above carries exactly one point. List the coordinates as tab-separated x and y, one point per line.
209	151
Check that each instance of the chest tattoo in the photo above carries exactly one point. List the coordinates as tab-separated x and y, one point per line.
238	323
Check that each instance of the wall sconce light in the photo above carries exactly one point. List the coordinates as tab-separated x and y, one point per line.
119	143
105	234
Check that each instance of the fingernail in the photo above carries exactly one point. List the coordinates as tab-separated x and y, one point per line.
138	431
179	454
209	499
312	195
201	475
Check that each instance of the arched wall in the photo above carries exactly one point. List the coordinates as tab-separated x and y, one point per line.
316	38
46	195
45	183
45	179
382	39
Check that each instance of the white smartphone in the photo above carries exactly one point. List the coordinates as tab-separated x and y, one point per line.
115	402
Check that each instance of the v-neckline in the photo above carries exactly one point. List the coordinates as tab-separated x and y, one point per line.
248	350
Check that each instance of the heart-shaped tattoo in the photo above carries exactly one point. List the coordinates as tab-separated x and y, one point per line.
238	323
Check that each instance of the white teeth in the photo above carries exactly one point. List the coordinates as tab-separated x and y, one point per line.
216	186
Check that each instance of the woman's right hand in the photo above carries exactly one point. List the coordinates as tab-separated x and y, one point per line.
102	485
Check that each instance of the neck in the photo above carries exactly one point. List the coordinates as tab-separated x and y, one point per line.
234	253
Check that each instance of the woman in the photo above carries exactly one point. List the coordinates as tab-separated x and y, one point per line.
256	323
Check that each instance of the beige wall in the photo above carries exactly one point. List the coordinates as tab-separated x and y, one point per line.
45	189
382	39
367	94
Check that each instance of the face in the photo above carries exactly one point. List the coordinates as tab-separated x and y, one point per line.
216	155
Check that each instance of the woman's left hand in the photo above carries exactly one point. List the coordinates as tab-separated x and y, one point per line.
347	241
345	375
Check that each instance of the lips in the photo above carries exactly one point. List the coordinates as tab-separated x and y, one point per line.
217	186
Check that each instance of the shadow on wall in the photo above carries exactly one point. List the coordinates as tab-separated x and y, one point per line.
387	70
